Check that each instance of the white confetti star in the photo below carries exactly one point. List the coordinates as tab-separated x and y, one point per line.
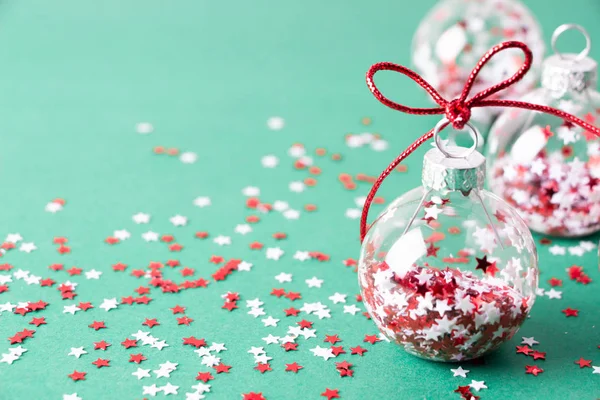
72	309
283	277
338	298
275	123
189	157
478	385
352	309
243	229
222	240
141	373
144	128
93	274
150	236
460	372
77	352
151	390
53	207
178	220
530	341
553	294
202	201
72	396
270	321
109	304
274	253
269	161
244	266
297	186
314	282
27	247
141	218
302	255
251	191
13	238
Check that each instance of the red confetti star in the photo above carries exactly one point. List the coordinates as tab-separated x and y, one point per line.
187	271
222	368
293	367
253	396
167	238
85	306
77	376
63	249
38	321
337	350
331	394
74	271
547	132
192	341
119	267
216	259
201	235
204	377
173	263
263	367
570	312
230	305
178	309
533	370
432	250
538	355
584	279
524	350
175	247
47	282
101	363
150	322
137	358
333	339
294	346
102	345
127	343
305	324
350	262
574	271
371	339
358	350
97	325
293	296
184	321
142	290
291	312
555	282
278	292
56	267
584	363
256	246
111	240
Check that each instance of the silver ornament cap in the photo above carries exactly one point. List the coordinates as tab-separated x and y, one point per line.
442	171
569	72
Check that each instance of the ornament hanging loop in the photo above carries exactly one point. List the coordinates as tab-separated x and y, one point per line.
567	27
442	147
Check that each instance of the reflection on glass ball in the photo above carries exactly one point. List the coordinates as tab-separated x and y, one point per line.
454	35
548	168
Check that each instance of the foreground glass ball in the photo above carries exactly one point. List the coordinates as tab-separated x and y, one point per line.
458	283
456	33
548	168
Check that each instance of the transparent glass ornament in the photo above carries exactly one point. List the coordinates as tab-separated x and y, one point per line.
448	270
456	33
547	168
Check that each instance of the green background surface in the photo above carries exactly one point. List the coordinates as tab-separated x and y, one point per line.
76	76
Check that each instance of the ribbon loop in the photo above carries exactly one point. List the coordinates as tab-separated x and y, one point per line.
457	111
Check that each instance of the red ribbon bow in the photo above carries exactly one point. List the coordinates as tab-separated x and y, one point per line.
458	111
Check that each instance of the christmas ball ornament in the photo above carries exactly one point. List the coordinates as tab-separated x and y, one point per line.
448	270
543	165
455	33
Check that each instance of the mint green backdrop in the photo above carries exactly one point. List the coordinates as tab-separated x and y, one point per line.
75	78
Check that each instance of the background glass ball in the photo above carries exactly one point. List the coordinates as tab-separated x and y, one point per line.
458	283
547	168
456	33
